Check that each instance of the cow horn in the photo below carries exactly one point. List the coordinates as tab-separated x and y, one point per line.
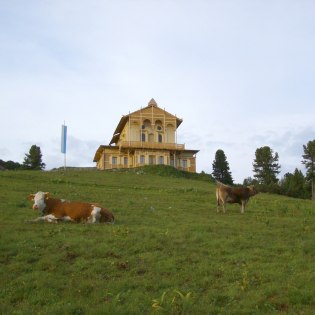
30	197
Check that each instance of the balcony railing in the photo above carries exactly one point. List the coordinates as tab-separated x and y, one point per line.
151	145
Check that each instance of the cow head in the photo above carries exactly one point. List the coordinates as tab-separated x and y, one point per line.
252	190
39	200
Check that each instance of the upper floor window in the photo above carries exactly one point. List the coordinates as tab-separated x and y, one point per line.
160	138
146	124
142	136
151	137
158	123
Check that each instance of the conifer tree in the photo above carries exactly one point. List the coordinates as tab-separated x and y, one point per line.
33	160
221	168
309	159
266	166
309	162
294	185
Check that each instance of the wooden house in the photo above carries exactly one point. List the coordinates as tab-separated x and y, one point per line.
146	137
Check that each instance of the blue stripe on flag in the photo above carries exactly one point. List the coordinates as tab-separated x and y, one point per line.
63	139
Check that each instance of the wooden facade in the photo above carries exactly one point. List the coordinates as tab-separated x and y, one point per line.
146	137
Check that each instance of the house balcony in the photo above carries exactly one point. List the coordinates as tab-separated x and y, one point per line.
150	145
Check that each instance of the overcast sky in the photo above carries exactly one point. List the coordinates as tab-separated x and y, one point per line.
241	75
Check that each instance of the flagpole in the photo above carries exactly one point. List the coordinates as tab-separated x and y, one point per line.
64	143
65	164
64	155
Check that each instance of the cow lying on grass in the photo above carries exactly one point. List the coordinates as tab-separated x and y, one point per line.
226	194
54	210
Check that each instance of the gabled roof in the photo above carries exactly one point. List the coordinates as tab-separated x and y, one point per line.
124	120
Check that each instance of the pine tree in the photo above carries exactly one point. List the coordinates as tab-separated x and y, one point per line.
33	160
309	162
266	167
309	159
221	168
294	185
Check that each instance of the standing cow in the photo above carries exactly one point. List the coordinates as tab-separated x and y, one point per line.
54	210
226	194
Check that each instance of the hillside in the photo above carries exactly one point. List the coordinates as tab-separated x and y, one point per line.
169	252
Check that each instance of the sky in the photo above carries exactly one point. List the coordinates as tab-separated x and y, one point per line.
240	73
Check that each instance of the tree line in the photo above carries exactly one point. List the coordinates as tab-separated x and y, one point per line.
266	169
32	161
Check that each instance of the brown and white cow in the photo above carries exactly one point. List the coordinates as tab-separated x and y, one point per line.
226	194
54	210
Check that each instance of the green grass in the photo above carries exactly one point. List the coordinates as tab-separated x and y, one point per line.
169	252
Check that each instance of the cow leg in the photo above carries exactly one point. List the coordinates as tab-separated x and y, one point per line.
49	218
95	215
218	200
243	206
223	204
218	206
224	207
66	219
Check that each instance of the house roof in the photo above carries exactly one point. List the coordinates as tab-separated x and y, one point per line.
98	153
124	119
101	148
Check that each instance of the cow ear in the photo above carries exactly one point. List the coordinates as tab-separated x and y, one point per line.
31	197
47	195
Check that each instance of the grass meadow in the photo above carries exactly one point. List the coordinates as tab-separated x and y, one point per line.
169	251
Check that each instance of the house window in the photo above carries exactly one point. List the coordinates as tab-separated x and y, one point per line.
114	160
141	159
160	138
151	137
161	159
158	124
172	162
125	160
143	137
151	159
146	124
184	163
